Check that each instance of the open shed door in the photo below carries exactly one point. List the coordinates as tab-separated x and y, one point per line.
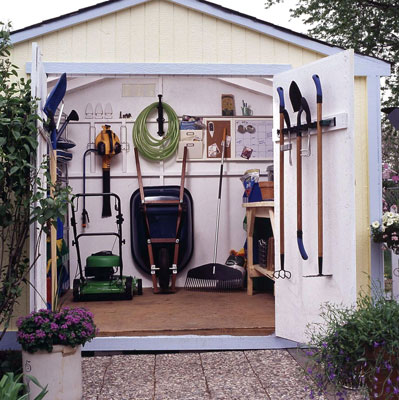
38	249
298	299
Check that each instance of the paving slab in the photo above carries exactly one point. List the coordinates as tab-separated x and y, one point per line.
229	376
180	376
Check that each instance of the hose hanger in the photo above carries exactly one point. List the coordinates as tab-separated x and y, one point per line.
108	145
160	119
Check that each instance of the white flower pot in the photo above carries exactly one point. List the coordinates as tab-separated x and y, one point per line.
61	370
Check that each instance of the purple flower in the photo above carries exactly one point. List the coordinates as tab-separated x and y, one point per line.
53	326
40	333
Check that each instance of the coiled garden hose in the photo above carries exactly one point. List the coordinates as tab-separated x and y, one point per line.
151	147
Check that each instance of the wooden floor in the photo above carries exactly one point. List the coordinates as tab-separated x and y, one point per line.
184	313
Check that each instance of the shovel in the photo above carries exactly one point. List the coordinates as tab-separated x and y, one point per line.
299	104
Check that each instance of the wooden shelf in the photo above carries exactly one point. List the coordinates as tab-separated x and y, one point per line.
264	271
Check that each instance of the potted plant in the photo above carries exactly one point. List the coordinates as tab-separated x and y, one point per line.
51	343
355	347
386	231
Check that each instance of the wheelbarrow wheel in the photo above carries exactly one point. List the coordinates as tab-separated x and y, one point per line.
163	263
76	289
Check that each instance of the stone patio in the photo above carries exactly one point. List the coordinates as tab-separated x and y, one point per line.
228	375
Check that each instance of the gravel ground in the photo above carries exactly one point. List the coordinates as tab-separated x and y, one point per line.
228	375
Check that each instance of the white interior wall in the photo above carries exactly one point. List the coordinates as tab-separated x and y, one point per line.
187	95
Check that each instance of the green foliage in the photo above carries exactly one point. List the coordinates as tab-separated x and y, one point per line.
370	28
43	329
23	186
353	346
11	388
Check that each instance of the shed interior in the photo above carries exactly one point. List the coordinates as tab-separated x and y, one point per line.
117	101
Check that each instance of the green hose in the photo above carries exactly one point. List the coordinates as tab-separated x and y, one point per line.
150	147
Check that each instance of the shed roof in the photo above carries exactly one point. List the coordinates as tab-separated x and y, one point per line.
372	65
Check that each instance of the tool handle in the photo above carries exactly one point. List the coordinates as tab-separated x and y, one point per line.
280	92
106	189
319	94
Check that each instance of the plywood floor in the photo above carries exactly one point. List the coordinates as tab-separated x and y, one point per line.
184	313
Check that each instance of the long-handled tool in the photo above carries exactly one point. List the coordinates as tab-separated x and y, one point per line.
299	104
319	100
215	276
282	273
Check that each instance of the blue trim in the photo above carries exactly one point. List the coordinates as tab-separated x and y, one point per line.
375	174
188	343
9	341
171	343
162	69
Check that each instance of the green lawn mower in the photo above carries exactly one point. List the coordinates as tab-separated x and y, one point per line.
103	277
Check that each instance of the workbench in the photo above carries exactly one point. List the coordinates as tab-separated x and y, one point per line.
260	209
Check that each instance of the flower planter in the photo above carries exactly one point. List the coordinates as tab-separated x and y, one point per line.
61	370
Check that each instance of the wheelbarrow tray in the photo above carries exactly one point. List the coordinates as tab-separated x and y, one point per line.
162	220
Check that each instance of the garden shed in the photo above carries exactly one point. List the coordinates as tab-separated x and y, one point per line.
119	55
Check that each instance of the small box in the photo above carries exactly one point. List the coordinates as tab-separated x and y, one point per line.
194	149
267	190
191	134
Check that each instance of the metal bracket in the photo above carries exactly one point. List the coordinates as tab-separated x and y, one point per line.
306	152
154	269
174	269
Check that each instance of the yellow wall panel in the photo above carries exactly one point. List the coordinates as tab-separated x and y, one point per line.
223	42
151	37
49	47
166	39
252	41
195	37
108	28
93	47
238	45
282	52
267	50
209	52
180	37
20	55
363	268
80	43
122	36
295	55
64	47
137	34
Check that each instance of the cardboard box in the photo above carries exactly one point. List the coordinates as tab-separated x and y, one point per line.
194	149
267	190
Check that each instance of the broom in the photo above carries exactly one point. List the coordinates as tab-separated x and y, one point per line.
213	276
